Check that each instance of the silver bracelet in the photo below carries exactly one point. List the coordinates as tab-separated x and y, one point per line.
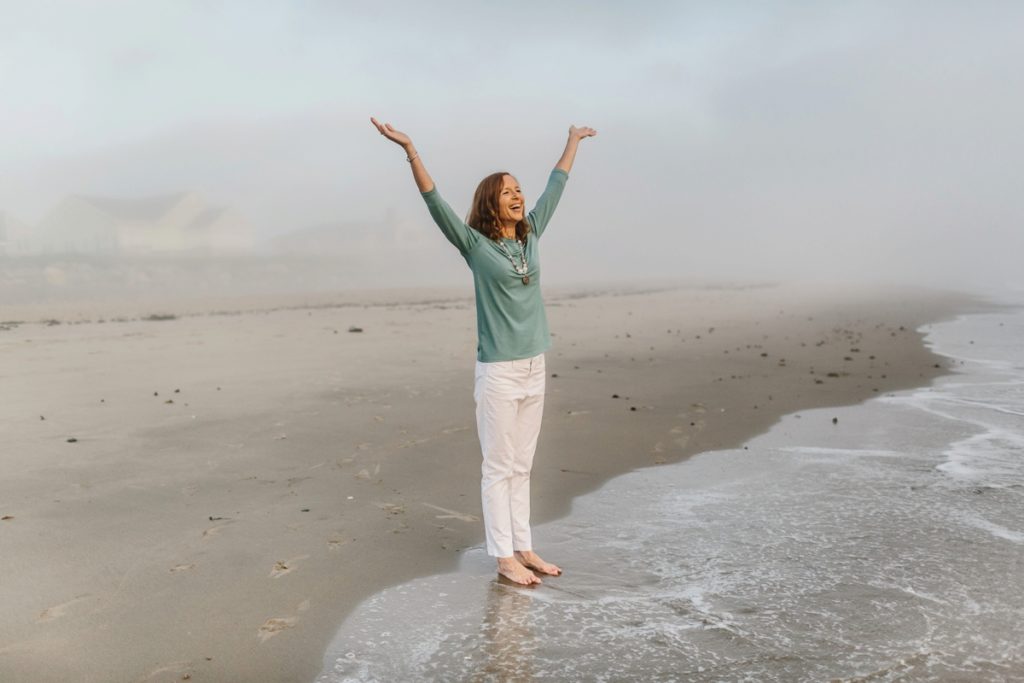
410	158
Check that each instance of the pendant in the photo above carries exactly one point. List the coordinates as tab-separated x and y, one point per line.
526	279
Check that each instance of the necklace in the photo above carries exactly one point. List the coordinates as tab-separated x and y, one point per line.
523	265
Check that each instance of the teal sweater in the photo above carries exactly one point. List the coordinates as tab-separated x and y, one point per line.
510	319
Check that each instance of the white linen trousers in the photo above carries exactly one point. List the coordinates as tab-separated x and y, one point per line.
509	404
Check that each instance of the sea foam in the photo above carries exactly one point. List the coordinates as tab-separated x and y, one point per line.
888	546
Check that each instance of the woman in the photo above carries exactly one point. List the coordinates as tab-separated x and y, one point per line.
499	242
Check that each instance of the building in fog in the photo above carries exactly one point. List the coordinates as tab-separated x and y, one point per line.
15	237
165	224
358	239
392	252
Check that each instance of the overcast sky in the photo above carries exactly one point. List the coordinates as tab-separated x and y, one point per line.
763	139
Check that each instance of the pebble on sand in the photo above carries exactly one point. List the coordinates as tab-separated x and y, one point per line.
835	420
353	328
72	440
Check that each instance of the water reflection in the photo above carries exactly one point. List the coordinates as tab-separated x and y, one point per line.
509	638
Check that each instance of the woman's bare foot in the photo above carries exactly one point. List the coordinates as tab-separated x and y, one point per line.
533	561
514	571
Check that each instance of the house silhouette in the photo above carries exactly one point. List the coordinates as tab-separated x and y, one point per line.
182	222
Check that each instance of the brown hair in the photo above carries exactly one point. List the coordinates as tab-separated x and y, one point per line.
483	216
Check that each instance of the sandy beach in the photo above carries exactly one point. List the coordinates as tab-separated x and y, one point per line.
203	491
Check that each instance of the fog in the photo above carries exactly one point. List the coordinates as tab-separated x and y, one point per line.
864	141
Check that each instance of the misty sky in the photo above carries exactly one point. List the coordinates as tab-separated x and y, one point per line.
759	139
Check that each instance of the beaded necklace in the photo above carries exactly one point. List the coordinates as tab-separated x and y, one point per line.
523	266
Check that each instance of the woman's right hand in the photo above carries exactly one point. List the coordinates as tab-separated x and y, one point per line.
390	133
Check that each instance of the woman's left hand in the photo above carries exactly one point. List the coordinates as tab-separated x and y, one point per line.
581	132
569	155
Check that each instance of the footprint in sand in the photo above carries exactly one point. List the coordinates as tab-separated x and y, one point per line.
391	508
173	667
271	627
57	611
282	567
336	543
452	514
214	530
182	568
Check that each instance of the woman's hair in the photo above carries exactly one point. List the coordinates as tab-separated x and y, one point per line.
483	216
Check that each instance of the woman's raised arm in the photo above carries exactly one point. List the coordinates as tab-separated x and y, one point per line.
453	227
569	155
419	171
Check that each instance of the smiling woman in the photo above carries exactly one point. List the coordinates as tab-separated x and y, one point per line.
498	202
500	244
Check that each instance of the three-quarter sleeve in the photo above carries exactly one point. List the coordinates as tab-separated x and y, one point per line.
453	227
545	208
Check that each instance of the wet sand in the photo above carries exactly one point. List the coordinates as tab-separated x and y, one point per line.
238	482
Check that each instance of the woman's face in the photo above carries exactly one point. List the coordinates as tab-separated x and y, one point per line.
510	200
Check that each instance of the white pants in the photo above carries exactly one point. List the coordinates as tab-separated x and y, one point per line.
509	405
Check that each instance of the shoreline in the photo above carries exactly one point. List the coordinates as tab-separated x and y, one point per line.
752	562
395	432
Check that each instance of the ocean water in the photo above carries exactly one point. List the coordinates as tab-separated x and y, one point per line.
888	546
